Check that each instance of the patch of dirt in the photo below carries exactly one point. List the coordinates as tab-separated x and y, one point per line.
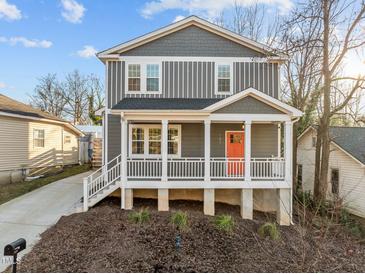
103	240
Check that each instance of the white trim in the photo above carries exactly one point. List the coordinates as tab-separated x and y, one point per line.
259	96
230	64
143	76
200	184
154	59
207	144
67	124
252	117
191	20
247	150
146	140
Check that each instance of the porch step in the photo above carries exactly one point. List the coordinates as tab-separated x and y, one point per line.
103	193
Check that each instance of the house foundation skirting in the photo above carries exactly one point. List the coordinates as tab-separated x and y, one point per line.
264	200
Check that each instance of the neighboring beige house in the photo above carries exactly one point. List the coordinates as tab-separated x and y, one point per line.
32	141
346	175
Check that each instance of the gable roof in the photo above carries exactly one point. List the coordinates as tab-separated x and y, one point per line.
13	108
189	21
351	140
271	101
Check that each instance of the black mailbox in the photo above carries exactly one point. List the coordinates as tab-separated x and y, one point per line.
15	247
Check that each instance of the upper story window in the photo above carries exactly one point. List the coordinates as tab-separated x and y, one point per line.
223	78
134	77
143	78
38	137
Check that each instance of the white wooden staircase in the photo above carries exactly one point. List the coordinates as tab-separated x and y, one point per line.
101	183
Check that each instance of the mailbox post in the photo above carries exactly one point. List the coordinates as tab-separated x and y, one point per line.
13	249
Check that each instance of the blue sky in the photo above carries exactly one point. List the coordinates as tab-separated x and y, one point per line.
57	36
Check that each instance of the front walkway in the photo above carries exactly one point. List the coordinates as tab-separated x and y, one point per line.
31	214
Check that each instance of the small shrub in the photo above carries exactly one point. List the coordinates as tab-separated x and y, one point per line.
351	224
180	220
269	230
140	217
224	223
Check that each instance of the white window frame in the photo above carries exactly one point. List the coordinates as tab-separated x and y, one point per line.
44	137
143	77
230	92
146	128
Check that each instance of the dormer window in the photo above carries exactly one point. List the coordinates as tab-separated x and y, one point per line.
223	78
143	78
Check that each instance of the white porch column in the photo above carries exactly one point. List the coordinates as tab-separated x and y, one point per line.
285	195
207	151
123	162
288	151
164	148
248	151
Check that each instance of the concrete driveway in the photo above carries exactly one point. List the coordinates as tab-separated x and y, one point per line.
29	215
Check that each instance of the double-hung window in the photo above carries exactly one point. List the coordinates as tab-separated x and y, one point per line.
223	79
38	137
143	78
146	140
134	77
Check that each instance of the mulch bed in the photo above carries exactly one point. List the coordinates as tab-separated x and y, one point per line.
103	240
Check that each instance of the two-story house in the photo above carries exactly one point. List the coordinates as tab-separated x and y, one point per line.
194	112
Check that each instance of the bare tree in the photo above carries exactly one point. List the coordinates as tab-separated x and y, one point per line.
75	92
95	97
342	31
48	95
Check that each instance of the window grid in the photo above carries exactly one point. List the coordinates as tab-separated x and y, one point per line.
38	137
224	78
134	77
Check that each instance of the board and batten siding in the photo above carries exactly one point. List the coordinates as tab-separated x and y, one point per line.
195	79
17	149
352	175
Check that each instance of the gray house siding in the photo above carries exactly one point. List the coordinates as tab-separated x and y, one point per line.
192	79
249	105
193	41
264	139
114	136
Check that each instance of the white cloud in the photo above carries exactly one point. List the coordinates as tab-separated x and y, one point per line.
206	8
72	11
28	43
87	52
178	18
2	85
9	11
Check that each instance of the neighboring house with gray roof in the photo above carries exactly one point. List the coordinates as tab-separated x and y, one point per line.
194	111
32	141
346	175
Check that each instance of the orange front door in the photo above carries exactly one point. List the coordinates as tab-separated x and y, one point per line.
235	141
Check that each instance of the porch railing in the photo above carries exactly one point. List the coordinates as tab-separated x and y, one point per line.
267	168
223	168
194	168
183	168
139	168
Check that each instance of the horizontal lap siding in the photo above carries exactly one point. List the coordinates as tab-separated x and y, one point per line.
352	175
194	79
17	149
